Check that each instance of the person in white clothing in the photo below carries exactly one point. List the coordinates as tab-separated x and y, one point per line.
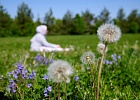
39	42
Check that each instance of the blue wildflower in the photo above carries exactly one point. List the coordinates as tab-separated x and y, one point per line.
29	85
49	88
45	92
76	78
38	58
88	68
45	77
15	75
20	66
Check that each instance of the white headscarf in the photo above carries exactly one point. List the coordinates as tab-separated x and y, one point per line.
41	29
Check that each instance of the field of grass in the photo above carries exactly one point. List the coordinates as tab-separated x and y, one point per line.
119	81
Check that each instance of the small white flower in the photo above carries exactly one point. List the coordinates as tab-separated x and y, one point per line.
88	58
109	33
60	71
100	48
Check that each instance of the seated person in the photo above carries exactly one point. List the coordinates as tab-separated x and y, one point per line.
39	42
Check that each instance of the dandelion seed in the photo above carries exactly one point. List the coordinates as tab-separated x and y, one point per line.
88	58
109	33
100	48
60	71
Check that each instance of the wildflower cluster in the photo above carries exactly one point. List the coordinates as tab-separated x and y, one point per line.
47	90
43	60
19	73
12	86
114	60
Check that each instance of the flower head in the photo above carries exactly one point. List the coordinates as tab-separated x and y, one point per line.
88	58
29	85
49	88
100	48
59	71
76	78
45	77
109	33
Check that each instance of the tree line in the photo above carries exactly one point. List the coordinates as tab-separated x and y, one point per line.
78	24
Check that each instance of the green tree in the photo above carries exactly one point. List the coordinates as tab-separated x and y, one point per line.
49	20
133	21
38	21
5	22
24	17
67	22
57	28
134	27
78	26
88	18
104	16
121	21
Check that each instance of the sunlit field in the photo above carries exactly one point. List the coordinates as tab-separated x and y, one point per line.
120	79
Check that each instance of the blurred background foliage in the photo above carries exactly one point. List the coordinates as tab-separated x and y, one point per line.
85	23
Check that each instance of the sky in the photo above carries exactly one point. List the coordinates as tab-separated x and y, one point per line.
60	7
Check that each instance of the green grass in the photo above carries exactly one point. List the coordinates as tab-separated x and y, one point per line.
23	43
118	81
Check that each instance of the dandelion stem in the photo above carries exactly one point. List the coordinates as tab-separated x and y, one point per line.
99	73
58	91
54	91
66	91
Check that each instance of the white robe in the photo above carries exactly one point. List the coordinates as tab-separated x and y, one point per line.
39	42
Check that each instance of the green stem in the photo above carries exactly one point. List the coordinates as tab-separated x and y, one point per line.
54	91
58	91
99	73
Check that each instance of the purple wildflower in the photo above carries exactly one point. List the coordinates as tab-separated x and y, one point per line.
31	75
13	90
20	66
49	88
76	78
29	85
38	58
51	60
15	75
12	86
88	68
119	57
45	77
45	92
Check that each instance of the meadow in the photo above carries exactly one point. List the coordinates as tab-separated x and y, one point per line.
120	79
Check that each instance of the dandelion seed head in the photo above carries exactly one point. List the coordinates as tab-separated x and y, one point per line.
109	33
100	48
88	58
60	71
